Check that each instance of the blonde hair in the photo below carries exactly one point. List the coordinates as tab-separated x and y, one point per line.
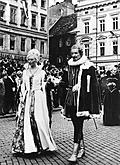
79	47
34	53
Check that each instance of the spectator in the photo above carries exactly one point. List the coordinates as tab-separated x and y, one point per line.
10	89
2	93
111	115
103	83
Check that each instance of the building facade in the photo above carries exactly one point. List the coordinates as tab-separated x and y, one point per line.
23	26
61	40
98	26
60	9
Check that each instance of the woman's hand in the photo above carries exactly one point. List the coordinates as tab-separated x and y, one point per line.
75	88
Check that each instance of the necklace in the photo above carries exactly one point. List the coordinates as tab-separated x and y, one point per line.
33	71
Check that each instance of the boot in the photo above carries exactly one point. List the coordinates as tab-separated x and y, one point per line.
73	157
81	151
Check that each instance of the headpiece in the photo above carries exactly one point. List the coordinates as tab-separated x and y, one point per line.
34	53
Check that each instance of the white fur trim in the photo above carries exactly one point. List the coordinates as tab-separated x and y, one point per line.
82	60
75	87
83	113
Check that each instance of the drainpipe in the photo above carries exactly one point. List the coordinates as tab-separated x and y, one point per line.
96	32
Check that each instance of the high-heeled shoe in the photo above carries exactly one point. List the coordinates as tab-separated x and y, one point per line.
73	157
81	153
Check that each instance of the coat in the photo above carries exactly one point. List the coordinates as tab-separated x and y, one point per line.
111	115
9	97
82	76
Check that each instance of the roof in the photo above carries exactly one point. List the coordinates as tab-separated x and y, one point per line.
64	25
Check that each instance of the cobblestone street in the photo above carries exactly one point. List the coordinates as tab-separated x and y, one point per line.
102	145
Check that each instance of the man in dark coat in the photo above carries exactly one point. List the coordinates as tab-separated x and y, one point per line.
103	84
82	98
111	115
10	90
2	93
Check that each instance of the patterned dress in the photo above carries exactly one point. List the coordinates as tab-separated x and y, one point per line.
32	132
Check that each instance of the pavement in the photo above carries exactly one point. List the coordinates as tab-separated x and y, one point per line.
102	145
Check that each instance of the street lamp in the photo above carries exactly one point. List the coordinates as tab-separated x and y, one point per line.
96	32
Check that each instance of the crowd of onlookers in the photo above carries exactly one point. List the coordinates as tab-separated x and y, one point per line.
11	79
110	96
56	86
10	73
7	64
104	78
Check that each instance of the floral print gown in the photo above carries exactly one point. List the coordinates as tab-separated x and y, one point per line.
32	132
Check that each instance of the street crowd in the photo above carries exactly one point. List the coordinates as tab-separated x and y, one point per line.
32	89
11	78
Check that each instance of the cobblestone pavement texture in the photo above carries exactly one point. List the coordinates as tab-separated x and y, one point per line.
102	145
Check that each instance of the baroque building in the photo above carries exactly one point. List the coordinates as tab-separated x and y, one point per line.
60	9
98	30
62	37
62	20
23	26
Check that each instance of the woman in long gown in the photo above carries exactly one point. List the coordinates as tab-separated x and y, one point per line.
32	132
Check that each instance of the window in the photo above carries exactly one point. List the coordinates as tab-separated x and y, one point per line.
60	43
33	43
42	23
2	11
43	3
34	20
102	68
42	47
102	49
102	25
12	42
59	60
33	2
22	17
13	15
115	23
22	44
60	12
115	47
87	50
86	27
1	41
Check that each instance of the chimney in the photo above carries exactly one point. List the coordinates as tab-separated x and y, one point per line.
70	1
